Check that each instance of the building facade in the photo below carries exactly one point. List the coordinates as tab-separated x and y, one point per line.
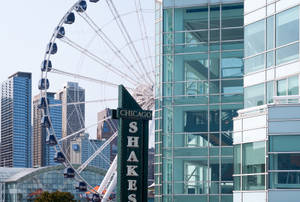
82	148
105	129
43	154
18	185
16	121
266	131
199	88
72	97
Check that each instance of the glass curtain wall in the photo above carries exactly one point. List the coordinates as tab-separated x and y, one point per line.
202	88
284	163
249	166
272	41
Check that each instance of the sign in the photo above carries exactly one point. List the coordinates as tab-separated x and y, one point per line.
132	149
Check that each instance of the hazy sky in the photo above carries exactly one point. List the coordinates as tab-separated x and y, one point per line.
26	27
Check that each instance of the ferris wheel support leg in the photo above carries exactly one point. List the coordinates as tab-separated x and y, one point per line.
108	176
111	187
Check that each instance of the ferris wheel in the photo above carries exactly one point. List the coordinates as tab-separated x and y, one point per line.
96	46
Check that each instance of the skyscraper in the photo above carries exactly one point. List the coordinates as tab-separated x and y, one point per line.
83	147
72	97
266	131
43	154
199	88
16	121
105	129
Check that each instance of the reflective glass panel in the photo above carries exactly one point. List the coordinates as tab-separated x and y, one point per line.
254	182
287	53
253	157
284	143
255	38
254	96
287	26
255	63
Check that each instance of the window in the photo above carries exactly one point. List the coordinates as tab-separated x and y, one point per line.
237	159
284	143
288	86
255	63
255	38
253	157
254	96
287	26
287	53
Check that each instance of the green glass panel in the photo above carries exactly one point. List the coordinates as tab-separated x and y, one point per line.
237	98
227	169
214	168
232	86
284	180
270	91
253	157
270	32
232	64
270	59
284	143
214	47
191	18
214	140
293	85
226	118
232	15
254	96
214	151
214	35
284	161
287	26
237	159
254	182
214	87
255	38
282	87
214	66
214	17
287	53
233	45
168	20
226	187
190	48
214	119
255	63
237	183
232	34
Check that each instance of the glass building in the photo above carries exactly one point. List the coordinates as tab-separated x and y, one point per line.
16	121
82	148
199	88
43	154
18	185
266	131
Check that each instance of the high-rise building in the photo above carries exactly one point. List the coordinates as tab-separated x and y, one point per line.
16	121
105	129
43	154
82	148
266	131
72	97
199	88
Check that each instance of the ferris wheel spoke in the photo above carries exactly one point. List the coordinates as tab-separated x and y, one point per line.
100	61
83	129
85	102
143	30
126	36
86	78
111	45
100	149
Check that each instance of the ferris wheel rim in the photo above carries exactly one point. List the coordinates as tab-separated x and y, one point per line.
44	93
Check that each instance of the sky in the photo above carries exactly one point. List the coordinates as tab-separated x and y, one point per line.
26	28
